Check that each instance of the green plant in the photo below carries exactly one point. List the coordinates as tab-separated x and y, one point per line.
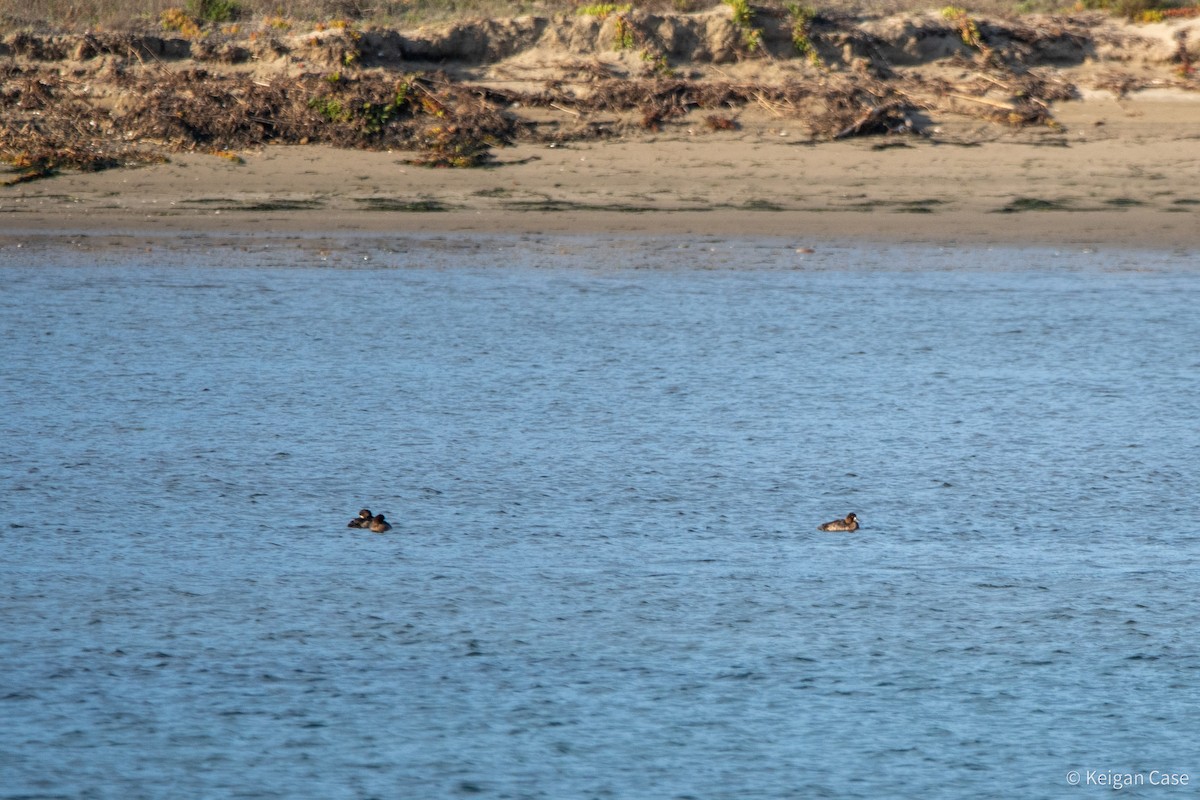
625	33
658	63
743	15
969	31
743	19
377	115
402	90
213	11
967	28
1142	10
751	39
802	20
331	109
602	10
371	117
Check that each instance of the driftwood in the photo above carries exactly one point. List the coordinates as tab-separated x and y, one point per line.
993	103
881	118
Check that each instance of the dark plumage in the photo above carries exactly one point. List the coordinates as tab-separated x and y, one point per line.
850	523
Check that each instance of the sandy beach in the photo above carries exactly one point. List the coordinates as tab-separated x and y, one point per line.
1119	174
1109	170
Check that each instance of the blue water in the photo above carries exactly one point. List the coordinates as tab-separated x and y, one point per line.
605	461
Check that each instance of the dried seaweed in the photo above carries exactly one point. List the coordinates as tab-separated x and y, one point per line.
46	125
130	106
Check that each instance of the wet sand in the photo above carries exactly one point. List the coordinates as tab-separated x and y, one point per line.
1116	173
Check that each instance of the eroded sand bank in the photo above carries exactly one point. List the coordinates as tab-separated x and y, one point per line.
1116	165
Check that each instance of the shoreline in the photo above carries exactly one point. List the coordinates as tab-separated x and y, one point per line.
1056	229
1076	132
1116	174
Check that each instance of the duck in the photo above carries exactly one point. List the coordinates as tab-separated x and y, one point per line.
379	524
850	523
363	519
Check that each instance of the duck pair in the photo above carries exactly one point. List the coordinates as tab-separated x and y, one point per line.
375	523
850	523
378	524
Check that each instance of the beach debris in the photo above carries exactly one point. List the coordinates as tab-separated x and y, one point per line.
889	117
717	122
106	99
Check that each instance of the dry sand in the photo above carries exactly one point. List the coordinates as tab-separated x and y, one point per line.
1112	172
1118	174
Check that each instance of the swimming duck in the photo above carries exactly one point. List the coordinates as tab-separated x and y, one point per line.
379	524
362	520
850	523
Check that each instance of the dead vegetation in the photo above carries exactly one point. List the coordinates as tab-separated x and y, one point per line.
96	101
134	14
51	122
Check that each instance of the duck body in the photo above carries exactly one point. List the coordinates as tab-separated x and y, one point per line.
379	524
363	519
850	523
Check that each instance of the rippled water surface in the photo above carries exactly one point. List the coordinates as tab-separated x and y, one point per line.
605	462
